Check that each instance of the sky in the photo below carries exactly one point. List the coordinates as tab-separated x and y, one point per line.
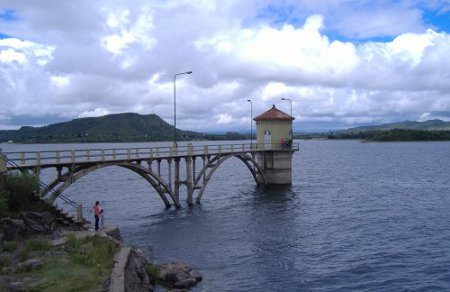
341	63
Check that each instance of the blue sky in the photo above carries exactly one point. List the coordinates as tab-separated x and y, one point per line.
343	63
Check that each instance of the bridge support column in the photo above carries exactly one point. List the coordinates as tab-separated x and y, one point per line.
276	166
176	184
189	182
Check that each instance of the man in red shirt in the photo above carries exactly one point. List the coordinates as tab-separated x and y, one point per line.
96	214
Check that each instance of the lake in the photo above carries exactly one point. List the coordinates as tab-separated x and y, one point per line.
358	217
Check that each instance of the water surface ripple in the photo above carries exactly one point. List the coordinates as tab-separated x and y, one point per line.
358	217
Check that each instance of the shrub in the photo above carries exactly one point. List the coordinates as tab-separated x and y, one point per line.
21	187
10	246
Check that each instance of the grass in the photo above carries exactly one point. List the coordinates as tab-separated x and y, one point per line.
152	271
85	266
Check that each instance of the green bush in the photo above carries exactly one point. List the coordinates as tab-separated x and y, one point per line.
21	188
10	246
4	204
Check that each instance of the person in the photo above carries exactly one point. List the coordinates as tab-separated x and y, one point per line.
96	214
102	219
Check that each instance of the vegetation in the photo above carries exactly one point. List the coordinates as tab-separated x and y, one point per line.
393	135
127	127
18	195
84	266
80	265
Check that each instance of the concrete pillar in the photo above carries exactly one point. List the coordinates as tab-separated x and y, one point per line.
177	179
276	166
189	182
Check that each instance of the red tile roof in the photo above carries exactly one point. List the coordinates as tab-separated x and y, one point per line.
274	114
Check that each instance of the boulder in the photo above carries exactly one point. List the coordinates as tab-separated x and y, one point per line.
38	222
136	277
12	228
196	275
179	275
29	265
187	283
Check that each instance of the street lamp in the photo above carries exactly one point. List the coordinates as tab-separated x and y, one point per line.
251	123
175	105
289	101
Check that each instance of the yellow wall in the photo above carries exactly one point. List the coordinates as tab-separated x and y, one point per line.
278	129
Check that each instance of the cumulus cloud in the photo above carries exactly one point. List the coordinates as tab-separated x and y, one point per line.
331	58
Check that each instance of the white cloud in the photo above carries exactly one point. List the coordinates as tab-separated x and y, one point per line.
115	57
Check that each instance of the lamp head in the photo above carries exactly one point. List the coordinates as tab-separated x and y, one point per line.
249	100
189	72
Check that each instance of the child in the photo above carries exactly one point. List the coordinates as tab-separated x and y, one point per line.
102	218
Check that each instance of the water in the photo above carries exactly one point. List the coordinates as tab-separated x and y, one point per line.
358	217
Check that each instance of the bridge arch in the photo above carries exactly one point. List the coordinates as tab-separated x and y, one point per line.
66	180
214	163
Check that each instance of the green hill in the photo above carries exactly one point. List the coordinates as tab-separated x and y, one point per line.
124	127
433	130
431	125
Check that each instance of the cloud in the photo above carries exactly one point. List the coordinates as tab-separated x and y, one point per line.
341	63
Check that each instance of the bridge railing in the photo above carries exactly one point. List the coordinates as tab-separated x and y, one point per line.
117	154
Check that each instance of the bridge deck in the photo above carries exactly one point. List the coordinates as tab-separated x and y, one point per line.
46	159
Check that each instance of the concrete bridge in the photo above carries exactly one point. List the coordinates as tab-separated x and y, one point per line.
268	164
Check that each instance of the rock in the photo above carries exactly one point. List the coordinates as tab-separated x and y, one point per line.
187	283
16	286
38	222
196	275
136	277
12	228
178	274
29	265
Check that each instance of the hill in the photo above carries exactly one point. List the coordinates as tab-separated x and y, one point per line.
125	127
433	130
431	125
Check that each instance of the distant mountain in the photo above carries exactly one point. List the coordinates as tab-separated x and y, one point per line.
124	127
431	125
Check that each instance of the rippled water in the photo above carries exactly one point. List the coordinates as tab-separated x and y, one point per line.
358	216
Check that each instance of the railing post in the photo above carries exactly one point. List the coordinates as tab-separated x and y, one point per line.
88	155
38	158
22	158
72	156
3	169
150	153
128	153
175	149
58	157
243	148
137	152
190	149
114	154
102	155
157	151
220	149
3	166
205	149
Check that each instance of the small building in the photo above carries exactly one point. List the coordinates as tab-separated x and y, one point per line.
274	135
274	129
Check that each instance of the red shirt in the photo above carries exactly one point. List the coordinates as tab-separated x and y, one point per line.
96	210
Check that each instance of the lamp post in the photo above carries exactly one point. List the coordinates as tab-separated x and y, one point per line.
175	105
251	123
289	101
